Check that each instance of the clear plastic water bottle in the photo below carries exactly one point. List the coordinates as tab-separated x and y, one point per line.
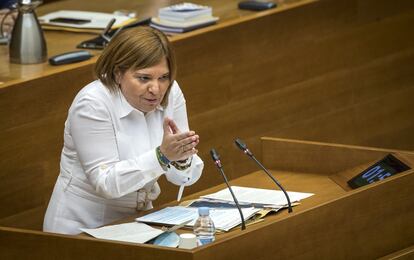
204	227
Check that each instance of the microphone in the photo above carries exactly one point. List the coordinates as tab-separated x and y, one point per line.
242	146
217	162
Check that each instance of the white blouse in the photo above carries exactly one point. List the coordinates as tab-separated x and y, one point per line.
109	168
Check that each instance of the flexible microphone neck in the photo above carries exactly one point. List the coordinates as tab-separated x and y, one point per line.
217	162
242	146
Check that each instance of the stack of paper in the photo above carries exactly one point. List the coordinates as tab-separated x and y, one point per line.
183	18
257	197
224	219
225	216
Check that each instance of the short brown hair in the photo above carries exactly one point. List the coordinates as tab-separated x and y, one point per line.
135	48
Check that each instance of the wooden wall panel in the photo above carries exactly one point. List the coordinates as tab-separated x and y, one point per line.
15	244
31	133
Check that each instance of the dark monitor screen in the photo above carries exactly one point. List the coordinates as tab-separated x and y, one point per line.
382	169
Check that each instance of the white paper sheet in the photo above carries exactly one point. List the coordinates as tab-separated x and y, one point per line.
128	232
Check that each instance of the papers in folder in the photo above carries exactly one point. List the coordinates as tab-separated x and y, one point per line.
224	215
257	197
224	219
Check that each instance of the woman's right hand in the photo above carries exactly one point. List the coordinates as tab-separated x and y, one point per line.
177	146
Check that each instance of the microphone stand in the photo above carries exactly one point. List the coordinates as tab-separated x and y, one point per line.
244	148
217	162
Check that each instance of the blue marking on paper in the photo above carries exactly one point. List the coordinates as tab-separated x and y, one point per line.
169	239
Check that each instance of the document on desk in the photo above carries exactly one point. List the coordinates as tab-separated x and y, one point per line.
82	19
224	219
255	196
128	232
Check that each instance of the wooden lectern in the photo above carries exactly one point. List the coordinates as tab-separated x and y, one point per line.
336	223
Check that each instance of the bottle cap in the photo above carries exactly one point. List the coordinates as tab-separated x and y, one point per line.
187	241
203	211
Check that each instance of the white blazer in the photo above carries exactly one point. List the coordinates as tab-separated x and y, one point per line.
108	167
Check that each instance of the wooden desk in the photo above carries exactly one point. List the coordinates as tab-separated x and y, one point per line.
332	70
60	42
365	223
